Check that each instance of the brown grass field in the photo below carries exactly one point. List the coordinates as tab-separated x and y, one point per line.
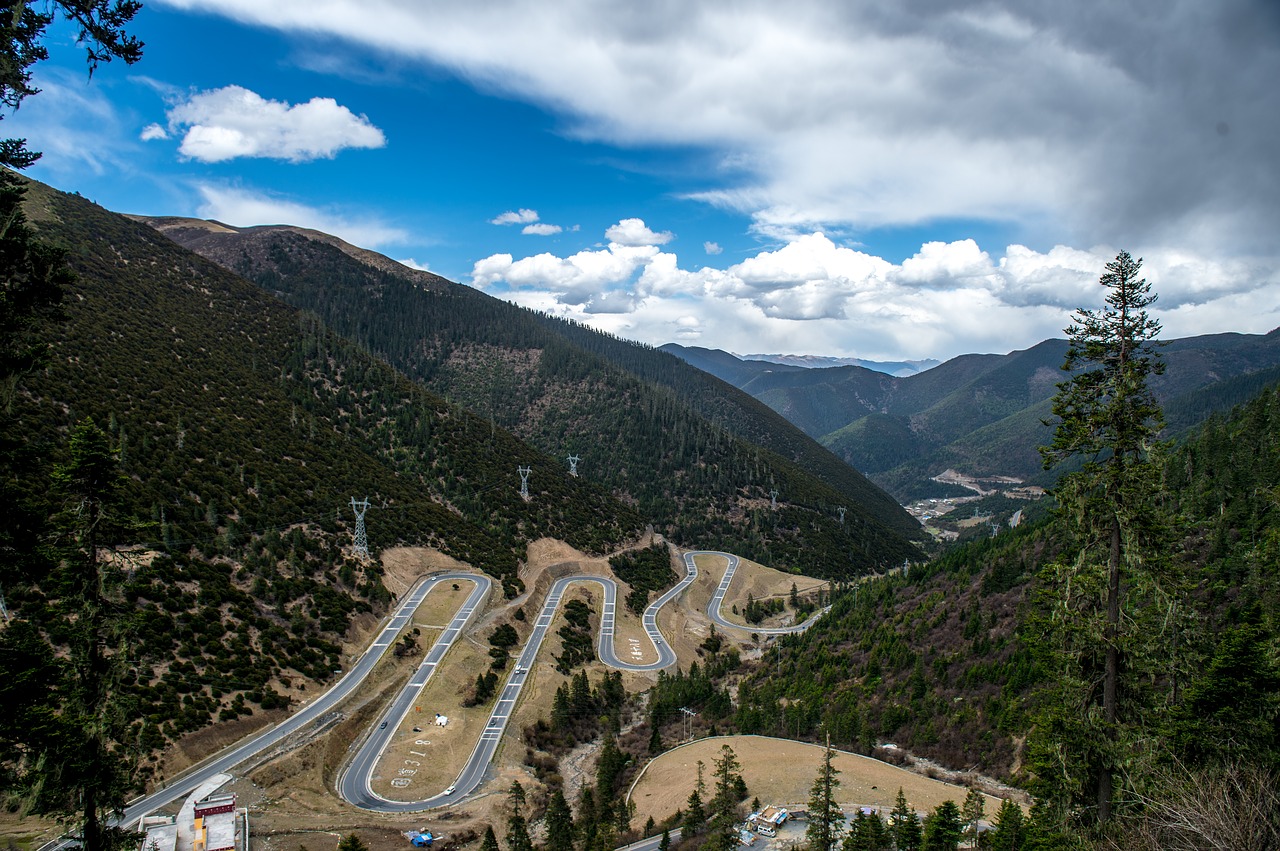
781	772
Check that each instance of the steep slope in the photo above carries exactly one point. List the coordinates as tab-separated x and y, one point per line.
692	453
940	662
245	429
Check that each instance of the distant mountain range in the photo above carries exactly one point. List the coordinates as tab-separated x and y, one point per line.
897	368
981	414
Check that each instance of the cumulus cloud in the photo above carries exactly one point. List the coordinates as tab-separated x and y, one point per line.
541	229
243	207
152	132
515	217
712	248
635	232
946	299
414	264
231	122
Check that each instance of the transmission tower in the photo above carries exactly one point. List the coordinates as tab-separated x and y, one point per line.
573	465
840	511
688	722
524	481
361	545
4	612
773	499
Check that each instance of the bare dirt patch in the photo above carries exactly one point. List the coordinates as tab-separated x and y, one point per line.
403	566
780	772
753	580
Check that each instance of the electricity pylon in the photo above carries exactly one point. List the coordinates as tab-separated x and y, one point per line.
361	545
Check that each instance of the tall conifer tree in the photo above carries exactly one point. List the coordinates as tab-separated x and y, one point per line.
1109	418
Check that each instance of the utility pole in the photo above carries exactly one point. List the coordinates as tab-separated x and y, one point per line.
688	722
524	481
573	465
4	612
840	511
361	545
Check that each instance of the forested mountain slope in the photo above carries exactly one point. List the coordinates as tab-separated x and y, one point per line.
244	429
942	661
694	455
980	413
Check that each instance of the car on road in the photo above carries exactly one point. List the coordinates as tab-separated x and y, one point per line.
382	726
452	788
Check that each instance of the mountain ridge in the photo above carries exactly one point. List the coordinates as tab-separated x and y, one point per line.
931	421
657	432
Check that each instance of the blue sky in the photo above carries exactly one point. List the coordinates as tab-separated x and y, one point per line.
861	179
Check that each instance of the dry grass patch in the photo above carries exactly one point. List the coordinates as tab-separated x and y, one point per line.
781	772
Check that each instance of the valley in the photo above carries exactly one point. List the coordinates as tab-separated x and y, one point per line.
249	385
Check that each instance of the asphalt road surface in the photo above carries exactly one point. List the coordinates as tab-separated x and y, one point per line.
717	599
315	712
354	785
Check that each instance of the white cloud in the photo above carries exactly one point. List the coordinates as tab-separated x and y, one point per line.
152	132
414	264
515	217
945	300
862	113
541	229
712	248
223	124
242	207
635	232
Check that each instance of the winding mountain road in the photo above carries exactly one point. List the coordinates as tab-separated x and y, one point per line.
355	783
717	600
315	712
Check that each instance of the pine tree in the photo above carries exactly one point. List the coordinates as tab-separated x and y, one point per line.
518	834
1108	416
695	814
588	818
559	823
79	762
824	812
655	736
490	841
973	810
907	834
724	803
944	828
867	832
1009	828
351	842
